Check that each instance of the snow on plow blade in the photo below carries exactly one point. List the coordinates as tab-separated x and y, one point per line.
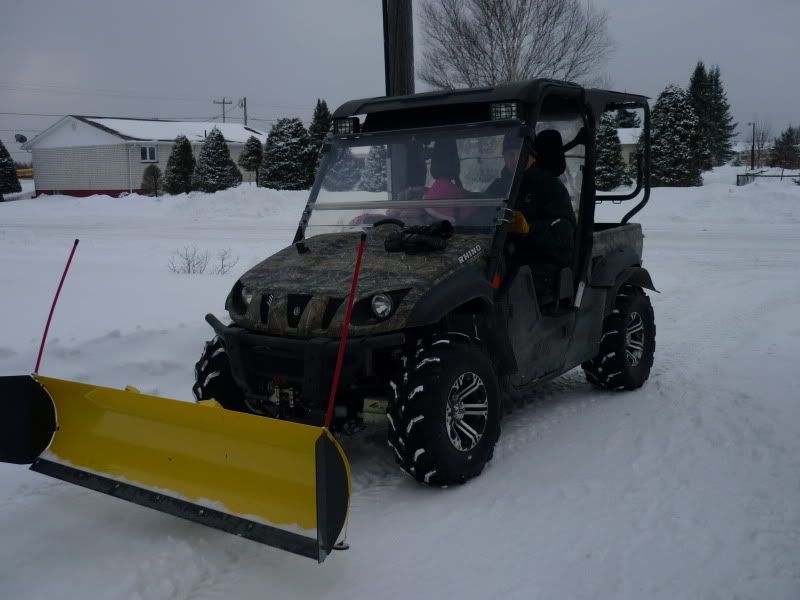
279	483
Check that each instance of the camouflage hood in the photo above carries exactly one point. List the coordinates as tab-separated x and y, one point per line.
304	294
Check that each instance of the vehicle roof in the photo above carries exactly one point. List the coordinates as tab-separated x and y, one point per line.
529	92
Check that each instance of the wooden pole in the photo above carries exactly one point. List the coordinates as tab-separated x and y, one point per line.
398	47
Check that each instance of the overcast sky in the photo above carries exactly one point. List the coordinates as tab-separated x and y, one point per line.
170	59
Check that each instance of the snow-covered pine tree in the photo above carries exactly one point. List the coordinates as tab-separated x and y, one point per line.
288	156
626	119
252	153
319	128
610	172
723	127
152	181
373	177
674	131
344	172
215	169
180	167
9	184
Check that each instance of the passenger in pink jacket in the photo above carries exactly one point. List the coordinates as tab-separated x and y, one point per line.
445	170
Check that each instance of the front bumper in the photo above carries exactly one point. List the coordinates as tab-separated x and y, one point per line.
257	359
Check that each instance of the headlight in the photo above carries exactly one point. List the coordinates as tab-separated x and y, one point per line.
246	296
382	305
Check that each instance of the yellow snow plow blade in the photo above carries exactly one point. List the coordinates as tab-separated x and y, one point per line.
276	482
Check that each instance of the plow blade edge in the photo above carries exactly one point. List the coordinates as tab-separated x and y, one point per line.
279	483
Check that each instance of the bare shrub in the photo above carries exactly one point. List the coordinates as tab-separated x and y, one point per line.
188	260
225	262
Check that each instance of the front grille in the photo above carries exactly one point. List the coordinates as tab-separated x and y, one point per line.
266	302
330	310
295	307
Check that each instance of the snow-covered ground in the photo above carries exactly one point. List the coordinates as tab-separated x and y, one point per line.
687	488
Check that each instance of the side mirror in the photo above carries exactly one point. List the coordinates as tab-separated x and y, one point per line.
519	224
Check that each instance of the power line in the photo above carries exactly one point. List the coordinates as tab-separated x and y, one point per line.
19	114
54	89
22	114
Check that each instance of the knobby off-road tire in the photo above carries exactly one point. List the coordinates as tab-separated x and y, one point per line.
445	411
213	378
627	345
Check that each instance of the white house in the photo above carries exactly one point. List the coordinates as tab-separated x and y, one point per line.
81	156
629	142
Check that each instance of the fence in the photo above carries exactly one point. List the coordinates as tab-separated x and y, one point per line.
751	177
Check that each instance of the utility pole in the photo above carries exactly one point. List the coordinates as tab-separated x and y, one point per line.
243	105
753	148
398	47
224	102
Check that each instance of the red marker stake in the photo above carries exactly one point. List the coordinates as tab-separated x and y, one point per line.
53	307
343	341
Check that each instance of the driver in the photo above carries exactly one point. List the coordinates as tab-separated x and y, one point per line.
546	203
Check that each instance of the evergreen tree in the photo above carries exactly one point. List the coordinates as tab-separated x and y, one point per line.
215	169
320	123
716	125
180	167
9	184
786	151
252	153
152	181
723	127
674	131
611	171
700	99
627	119
320	126
344	171
288	156
373	177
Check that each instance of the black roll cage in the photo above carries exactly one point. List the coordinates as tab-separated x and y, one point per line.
445	108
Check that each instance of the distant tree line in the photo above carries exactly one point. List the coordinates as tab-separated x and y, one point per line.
288	160
786	149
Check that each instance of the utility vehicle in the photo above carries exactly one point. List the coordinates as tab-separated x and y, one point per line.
452	321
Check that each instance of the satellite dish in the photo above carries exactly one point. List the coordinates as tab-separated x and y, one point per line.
20	138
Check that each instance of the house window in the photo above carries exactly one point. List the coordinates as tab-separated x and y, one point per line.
148	154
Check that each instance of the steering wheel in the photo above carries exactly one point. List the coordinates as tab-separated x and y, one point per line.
389	221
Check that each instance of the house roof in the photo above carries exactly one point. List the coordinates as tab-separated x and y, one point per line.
150	130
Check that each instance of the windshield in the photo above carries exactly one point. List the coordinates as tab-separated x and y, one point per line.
463	175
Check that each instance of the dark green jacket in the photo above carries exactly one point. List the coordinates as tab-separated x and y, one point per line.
546	204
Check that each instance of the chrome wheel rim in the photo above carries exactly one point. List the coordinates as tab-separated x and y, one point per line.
634	339
467	411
